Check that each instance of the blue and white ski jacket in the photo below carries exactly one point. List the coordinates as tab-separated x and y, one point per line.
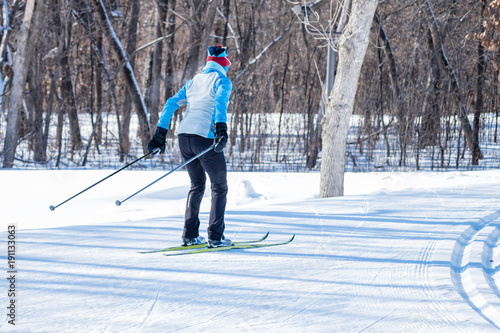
207	98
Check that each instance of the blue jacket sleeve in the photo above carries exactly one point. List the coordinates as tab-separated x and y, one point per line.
172	104
222	96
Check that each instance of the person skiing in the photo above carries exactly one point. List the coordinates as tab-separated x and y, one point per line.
207	98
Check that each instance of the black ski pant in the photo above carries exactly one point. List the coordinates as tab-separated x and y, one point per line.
213	164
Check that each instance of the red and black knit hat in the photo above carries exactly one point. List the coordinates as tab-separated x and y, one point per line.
219	55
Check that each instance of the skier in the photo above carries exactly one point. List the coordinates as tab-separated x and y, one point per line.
207	97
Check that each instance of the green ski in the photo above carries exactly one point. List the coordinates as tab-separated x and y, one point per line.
200	246
235	246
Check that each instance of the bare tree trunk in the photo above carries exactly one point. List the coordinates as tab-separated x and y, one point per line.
82	11
226	16
60	124
431	126
446	67
20	69
393	73
312	134
195	30
282	101
339	107
129	76
68	90
481	69
58	22
50	102
495	105
127	98
98	92
5	29
35	82
207	28
153	95
169	66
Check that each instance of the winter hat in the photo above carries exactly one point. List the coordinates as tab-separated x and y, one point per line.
219	55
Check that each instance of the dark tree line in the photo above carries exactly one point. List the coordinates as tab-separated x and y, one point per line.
430	75
432	72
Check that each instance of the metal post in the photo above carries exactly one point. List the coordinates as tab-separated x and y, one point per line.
330	69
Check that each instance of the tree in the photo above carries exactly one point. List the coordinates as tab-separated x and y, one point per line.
155	65
420	77
35	83
446	67
352	47
128	75
128	96
68	90
19	81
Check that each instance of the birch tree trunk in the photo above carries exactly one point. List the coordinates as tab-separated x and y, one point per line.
5	32
20	70
339	106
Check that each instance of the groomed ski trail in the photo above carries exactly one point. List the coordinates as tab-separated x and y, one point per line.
380	262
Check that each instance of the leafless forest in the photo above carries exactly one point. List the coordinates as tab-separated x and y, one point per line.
82	82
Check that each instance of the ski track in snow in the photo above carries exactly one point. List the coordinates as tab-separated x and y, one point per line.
423	272
404	272
148	314
491	255
462	267
378	320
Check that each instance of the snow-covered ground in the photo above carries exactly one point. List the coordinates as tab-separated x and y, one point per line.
400	252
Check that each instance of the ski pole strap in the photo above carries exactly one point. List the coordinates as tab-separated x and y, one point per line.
118	202
154	151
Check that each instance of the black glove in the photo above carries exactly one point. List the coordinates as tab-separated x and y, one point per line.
158	140
220	137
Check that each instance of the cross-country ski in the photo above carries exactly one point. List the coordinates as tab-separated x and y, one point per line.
235	246
199	246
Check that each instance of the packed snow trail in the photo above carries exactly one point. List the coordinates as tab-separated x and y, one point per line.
416	252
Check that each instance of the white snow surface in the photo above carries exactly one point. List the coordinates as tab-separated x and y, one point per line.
400	252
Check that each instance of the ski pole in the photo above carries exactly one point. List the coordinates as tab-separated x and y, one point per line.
154	151
118	202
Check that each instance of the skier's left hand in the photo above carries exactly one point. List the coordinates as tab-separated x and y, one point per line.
220	137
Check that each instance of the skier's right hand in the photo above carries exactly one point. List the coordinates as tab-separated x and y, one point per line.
158	140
